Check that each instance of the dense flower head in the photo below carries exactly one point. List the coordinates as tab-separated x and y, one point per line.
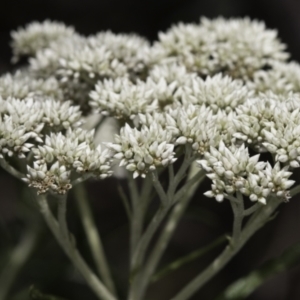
36	36
233	170
63	156
194	125
24	84
122	99
23	122
260	115
282	139
216	87
237	47
217	92
130	49
282	79
144	150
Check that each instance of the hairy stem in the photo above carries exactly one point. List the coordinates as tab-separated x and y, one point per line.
93	236
136	220
140	251
141	283
11	170
92	280
256	223
238	212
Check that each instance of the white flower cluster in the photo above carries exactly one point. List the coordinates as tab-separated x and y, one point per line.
220	84
63	155
122	99
217	92
259	116
198	126
237	47
143	150
36	36
23	84
282	79
23	122
130	49
232	170
283	138
79	62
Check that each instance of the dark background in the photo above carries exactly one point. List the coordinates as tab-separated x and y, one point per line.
205	219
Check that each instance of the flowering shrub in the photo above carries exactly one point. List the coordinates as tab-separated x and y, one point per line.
207	97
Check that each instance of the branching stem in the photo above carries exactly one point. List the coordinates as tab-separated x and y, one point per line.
93	281
93	236
258	220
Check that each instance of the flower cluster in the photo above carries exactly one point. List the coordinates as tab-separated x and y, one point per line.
23	122
79	62
37	36
122	99
217	92
282	79
232	170
143	150
130	49
23	84
216	87
237	47
63	155
261	115
198	126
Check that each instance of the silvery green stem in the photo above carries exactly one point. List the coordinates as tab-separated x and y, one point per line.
238	211
295	190
17	259
141	283
140	251
93	236
11	170
68	246
164	198
258	220
249	211
136	228
61	216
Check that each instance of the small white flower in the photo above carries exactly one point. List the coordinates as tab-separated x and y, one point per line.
36	36
236	47
143	150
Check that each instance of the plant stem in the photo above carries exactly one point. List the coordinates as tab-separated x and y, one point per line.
159	189
11	170
252	209
61	216
93	236
187	160
136	217
295	190
251	227
93	281
188	258
238	211
16	261
125	201
168	199
80	179
140	251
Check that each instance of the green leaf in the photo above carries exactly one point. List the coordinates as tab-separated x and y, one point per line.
245	286
188	258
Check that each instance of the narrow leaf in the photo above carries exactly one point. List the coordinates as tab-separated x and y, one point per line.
245	286
188	258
